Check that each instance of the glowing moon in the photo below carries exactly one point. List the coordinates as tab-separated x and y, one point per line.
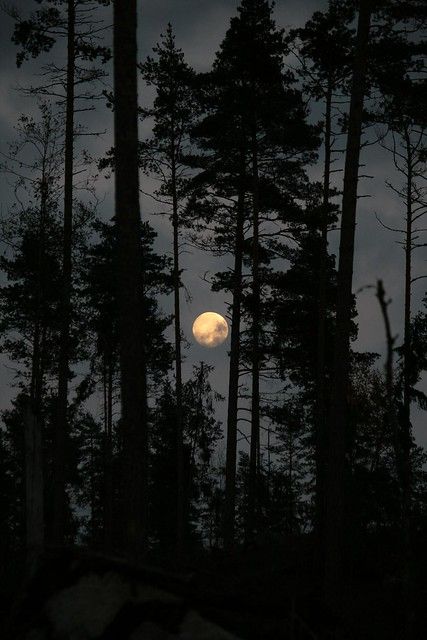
210	329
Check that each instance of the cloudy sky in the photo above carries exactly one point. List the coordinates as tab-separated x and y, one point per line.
200	26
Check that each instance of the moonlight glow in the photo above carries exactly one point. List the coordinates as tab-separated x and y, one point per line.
210	329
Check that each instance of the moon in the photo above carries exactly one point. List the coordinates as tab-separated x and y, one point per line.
210	329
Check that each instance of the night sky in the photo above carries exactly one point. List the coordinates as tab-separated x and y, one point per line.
200	25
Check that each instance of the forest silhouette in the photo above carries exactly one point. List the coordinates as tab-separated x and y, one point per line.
303	514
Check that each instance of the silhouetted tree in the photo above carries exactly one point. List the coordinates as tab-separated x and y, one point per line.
201	434
131	276
402	111
73	22
334	511
324	49
101	286
30	298
173	112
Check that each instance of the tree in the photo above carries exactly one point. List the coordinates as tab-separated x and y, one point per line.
217	206
325	49
401	111
289	477
334	511
100	291
30	303
293	347
72	21
162	155
131	277
30	298
201	435
254	114
13	494
219	194
91	442
399	57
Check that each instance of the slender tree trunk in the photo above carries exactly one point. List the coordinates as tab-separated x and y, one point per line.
233	383
406	421
321	405
290	480
34	493
108	463
36	361
256	319
36	364
59	498
406	436
131	290
34	509
92	493
35	385
268	479
335	491
34	486
180	524
199	418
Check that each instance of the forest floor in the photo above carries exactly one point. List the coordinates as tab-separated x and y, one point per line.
255	593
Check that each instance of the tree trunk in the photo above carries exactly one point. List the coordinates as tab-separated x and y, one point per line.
34	509
233	383
180	524
406	421
92	493
131	290
291	480
406	436
320	409
36	360
335	492
108	455
34	491
199	420
256	319
59	498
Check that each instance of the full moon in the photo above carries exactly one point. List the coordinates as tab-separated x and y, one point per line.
210	329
